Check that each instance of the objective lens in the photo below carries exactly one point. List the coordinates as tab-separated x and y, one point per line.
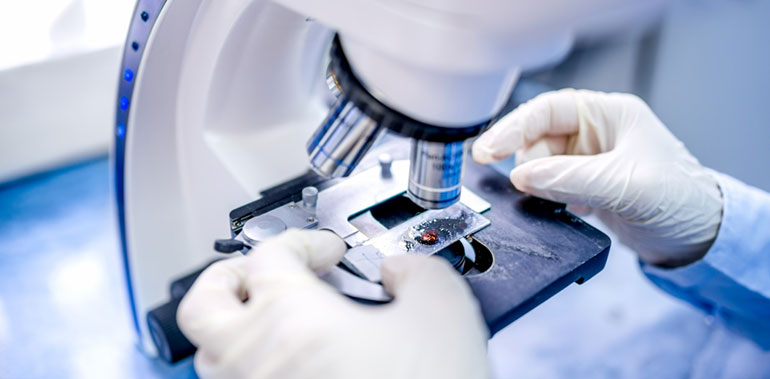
435	173
341	141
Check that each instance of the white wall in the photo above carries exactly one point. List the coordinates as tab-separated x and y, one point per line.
59	67
711	81
56	112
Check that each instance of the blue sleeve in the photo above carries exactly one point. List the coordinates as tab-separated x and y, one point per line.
732	281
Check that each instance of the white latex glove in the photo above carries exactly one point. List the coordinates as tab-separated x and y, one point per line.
267	315
610	152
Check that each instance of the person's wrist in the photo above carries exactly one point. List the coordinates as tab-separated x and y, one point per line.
681	260
712	219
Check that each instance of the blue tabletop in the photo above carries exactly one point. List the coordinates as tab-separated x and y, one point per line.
64	310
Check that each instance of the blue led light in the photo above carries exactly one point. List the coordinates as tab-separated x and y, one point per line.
123	102
121	131
145	16
128	75
135	45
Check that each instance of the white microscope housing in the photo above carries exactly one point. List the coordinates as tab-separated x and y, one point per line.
218	98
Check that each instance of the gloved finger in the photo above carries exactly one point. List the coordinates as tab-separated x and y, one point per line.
214	300
549	114
590	181
546	147
430	282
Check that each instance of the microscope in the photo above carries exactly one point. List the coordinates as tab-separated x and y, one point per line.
218	113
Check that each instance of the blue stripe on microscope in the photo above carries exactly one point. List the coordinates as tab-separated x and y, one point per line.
339	162
131	58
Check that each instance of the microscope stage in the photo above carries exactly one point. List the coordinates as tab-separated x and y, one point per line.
515	251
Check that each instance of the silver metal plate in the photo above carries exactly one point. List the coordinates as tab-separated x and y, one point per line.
356	194
474	202
354	286
291	215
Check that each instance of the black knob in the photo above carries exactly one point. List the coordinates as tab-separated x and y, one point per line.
172	345
228	246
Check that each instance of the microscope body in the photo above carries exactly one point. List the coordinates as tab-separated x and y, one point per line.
217	99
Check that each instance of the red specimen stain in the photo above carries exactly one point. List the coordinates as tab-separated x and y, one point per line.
429	237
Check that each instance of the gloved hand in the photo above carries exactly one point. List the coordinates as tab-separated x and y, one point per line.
609	152
267	315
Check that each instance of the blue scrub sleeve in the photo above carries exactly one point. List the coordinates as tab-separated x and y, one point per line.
732	281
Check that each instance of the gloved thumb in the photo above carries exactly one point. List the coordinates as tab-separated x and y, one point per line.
318	250
430	282
279	265
587	180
